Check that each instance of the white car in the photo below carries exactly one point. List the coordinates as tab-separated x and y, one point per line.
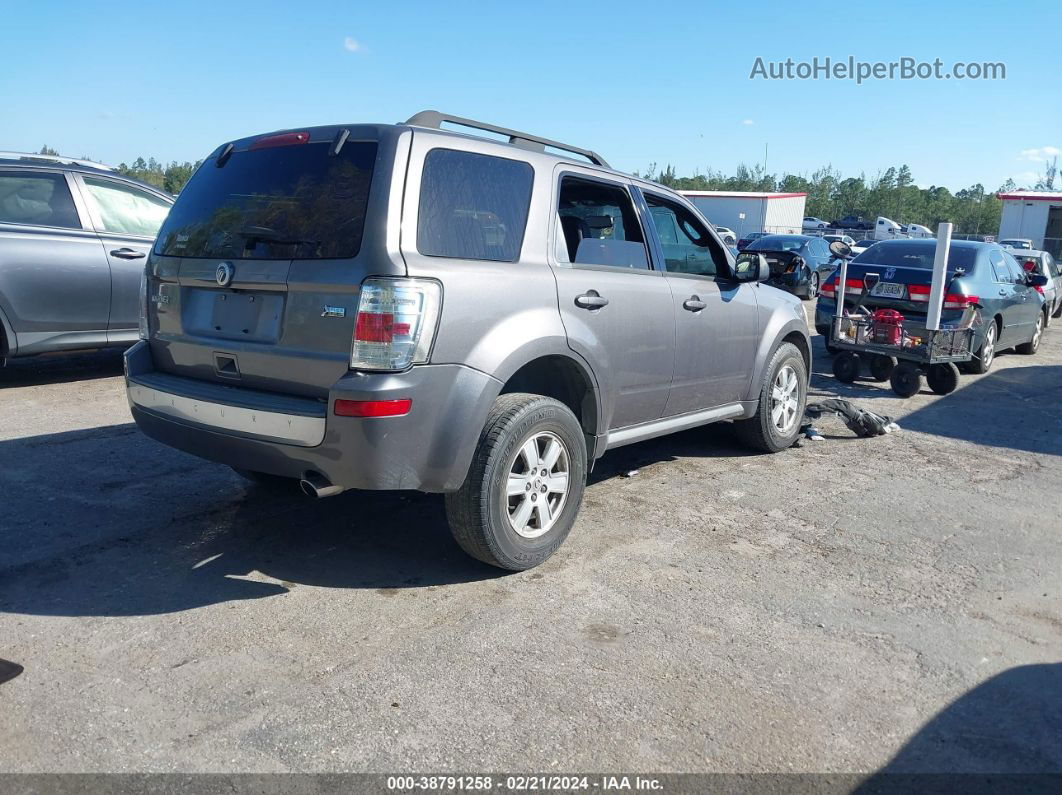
1023	243
843	238
814	223
729	238
862	245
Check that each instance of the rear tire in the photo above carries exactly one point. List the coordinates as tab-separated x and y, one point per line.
846	367
1058	312
780	411
906	379
1033	345
943	379
982	361
512	528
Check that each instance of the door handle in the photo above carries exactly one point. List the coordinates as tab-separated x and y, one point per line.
590	300
694	304
127	253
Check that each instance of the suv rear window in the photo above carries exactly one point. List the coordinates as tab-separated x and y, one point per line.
284	202
473	206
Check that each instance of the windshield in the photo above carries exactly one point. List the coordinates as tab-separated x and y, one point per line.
283	202
1015	244
778	243
902	254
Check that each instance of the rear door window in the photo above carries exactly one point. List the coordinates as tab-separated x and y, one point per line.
39	199
126	210
473	206
277	202
599	225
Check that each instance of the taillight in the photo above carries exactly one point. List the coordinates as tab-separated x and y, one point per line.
919	293
1039	289
957	301
283	139
851	287
396	323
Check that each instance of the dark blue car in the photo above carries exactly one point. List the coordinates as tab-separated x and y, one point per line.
983	275
798	263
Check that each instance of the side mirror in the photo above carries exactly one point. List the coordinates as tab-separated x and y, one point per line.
1036	280
840	249
751	266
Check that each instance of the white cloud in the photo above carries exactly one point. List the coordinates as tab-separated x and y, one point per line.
350	44
748	122
1041	154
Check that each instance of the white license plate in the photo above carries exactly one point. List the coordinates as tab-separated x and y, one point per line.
888	290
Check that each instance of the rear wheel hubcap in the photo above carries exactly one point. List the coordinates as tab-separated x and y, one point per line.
537	485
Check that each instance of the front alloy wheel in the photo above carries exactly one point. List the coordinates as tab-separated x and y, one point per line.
785	400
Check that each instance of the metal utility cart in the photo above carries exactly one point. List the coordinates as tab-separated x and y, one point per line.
932	352
894	350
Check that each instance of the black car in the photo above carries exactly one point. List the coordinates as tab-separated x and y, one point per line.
744	242
852	222
798	263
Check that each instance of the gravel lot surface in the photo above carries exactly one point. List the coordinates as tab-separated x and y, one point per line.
850	605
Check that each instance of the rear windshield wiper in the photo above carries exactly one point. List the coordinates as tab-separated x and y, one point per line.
251	233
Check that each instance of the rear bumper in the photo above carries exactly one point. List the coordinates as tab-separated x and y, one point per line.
428	449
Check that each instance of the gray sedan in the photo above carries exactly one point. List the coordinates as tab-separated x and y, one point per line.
73	239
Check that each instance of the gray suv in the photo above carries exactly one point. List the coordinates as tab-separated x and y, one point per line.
406	307
73	239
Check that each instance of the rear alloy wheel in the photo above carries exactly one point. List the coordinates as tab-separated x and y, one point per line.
881	367
943	379
524	487
813	285
846	366
780	411
1030	347
982	360
906	379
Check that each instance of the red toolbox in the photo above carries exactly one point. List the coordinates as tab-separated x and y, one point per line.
886	327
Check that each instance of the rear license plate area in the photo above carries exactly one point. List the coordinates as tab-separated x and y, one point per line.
888	290
233	315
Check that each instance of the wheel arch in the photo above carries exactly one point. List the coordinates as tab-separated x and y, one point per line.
563	377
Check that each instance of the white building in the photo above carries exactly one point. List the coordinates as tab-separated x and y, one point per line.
751	211
1033	214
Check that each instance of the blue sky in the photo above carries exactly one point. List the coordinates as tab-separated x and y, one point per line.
664	82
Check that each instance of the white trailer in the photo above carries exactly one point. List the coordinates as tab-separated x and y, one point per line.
751	211
1033	214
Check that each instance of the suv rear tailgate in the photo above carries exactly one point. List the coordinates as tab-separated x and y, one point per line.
256	274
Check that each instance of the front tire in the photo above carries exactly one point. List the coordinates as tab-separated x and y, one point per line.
525	485
780	412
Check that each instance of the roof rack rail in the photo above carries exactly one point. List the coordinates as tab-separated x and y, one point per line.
55	159
435	120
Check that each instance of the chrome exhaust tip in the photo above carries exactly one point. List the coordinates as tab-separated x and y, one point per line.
318	486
